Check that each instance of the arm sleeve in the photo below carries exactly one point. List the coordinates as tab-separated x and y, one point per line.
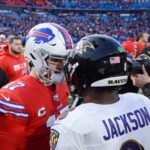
3	78
13	120
11	134
64	139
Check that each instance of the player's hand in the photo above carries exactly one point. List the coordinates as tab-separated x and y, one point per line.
139	80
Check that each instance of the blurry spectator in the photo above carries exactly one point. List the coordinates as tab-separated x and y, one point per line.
83	4
143	80
141	42
12	63
137	80
142	37
140	80
134	48
129	47
78	25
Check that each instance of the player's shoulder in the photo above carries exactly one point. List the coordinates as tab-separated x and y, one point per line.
14	85
133	95
16	88
11	91
76	120
135	98
12	106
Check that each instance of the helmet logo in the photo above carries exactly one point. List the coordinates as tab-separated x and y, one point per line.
83	45
42	35
119	81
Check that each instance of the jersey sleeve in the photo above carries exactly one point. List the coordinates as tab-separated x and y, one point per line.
13	120
63	138
11	134
12	108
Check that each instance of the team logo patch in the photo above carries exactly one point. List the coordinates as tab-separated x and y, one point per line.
42	35
54	139
56	97
131	145
82	46
16	67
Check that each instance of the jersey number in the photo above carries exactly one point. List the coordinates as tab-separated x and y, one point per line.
12	86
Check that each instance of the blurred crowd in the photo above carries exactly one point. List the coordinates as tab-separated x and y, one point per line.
82	4
78	25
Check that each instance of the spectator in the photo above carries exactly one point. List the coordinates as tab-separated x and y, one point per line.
143	80
83	4
134	48
12	62
141	42
78	25
130	49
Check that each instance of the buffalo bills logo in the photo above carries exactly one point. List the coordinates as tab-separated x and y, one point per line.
42	35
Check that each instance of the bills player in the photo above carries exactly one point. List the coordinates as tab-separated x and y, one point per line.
106	120
30	105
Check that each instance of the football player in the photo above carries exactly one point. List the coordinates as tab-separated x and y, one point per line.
30	105
106	120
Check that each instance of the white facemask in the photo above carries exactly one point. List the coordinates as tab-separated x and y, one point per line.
57	77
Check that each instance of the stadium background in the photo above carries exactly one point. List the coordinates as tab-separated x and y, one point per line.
120	19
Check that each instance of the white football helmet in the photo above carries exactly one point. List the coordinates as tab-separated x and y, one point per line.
47	40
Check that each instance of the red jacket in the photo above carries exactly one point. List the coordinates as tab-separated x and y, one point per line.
2	44
133	48
14	67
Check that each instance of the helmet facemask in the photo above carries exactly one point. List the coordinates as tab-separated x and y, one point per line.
46	71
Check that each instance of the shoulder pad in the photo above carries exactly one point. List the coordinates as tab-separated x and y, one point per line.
65	113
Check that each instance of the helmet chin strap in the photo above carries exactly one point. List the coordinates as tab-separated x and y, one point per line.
52	79
36	73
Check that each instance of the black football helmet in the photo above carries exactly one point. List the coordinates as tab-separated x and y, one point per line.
97	61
